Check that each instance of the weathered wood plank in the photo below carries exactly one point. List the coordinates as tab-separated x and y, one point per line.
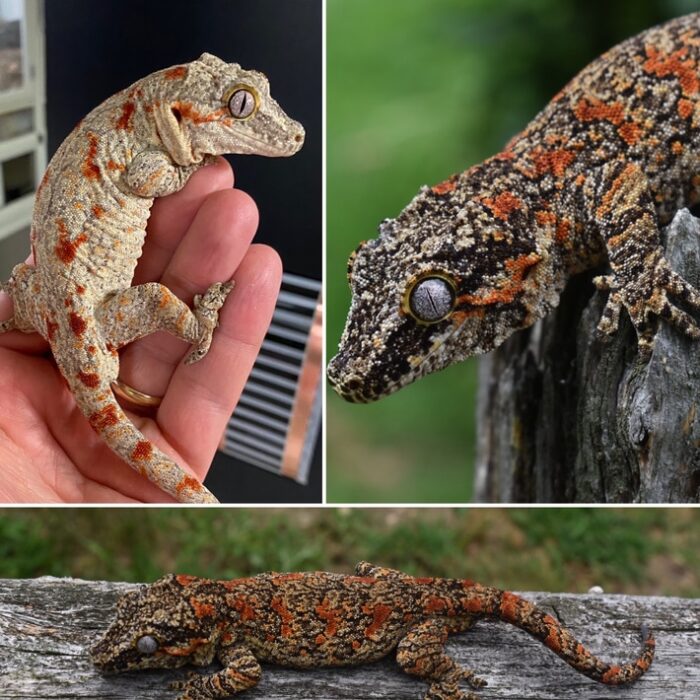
565	416
47	624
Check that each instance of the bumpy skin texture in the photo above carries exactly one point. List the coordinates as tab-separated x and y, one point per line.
89	226
611	158
312	620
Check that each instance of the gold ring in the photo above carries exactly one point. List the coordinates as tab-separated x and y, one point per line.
138	398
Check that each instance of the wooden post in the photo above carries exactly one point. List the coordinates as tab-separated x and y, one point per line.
47	625
566	416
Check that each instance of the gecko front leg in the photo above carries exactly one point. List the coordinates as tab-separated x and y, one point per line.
153	173
642	281
241	671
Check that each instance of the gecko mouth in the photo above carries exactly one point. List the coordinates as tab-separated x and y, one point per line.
364	377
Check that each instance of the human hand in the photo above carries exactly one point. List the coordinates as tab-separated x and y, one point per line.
49	452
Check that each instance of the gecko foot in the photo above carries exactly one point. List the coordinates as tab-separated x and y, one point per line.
448	690
7	325
653	303
206	311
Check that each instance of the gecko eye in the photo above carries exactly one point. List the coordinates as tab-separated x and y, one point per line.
147	644
430	299
243	102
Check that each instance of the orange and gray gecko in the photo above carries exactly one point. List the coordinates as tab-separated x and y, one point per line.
487	252
314	620
89	226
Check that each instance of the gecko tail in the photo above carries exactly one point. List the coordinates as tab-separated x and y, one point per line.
91	387
553	635
109	420
517	611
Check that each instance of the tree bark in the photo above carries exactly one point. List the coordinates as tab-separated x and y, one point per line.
47	625
565	415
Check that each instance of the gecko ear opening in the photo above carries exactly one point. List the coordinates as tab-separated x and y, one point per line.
175	138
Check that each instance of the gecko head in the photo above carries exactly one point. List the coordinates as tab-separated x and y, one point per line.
161	625
210	107
443	281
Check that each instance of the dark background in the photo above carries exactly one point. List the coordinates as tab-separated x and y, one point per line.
95	48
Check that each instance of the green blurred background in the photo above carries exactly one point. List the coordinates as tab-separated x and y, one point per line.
644	551
418	90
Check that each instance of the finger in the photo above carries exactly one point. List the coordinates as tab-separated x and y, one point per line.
201	397
210	252
172	216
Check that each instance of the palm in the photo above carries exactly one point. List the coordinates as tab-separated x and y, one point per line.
199	235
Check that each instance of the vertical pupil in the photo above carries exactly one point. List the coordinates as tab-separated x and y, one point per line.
244	103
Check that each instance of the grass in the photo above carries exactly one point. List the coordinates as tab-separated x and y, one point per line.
646	551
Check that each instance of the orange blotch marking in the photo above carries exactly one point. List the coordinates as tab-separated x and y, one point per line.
630	132
77	324
175	73
606	204
187	111
320	639
580	179
51	329
104	418
424	580
65	249
677	148
112	165
434	604
503	204
185	579
278	605
509	606
685	108
330	615
91	349
555	161
597	110
611	675
472	604
98	211
143	450
283	578
90	168
516	269
124	121
202	609
562	231
545	218
80	289
445	186
90	379
356	645
246	610
188	482
380	614
361	579
188	650
663	64
553	641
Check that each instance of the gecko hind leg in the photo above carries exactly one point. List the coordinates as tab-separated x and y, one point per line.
139	311
421	653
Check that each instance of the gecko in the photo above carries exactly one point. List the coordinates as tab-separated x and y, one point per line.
89	225
488	251
315	620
